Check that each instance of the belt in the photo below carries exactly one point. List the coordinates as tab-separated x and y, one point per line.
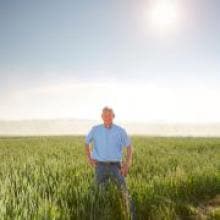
108	162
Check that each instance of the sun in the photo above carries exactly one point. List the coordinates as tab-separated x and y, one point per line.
164	15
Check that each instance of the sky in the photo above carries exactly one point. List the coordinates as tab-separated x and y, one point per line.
151	60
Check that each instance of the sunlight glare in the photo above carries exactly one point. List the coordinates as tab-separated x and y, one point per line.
164	15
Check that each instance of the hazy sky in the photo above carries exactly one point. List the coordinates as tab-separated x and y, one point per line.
150	60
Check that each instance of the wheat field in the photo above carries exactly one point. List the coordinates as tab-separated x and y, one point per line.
49	178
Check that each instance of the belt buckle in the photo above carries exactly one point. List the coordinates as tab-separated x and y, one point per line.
107	163
113	163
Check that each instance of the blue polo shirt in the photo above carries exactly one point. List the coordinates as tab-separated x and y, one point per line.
107	142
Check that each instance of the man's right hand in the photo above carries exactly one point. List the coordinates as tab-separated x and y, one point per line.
92	162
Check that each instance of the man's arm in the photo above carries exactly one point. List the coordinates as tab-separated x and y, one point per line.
88	140
128	161
87	151
91	161
129	156
126	142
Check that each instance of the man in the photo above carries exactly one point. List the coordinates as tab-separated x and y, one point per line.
108	141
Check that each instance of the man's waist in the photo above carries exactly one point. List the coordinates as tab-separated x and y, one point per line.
108	162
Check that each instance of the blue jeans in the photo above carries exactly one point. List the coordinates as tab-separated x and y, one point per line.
105	172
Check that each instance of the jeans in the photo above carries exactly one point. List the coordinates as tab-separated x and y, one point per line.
104	172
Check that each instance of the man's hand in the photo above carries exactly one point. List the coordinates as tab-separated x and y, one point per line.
126	164
92	162
124	169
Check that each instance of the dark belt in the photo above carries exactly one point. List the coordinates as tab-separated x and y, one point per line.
108	162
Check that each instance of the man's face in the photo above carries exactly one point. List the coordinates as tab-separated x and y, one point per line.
107	117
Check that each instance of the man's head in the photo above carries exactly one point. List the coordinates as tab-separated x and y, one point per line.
107	115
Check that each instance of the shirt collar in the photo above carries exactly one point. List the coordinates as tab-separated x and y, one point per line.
108	127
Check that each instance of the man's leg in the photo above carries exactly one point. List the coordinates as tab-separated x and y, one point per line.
100	175
121	183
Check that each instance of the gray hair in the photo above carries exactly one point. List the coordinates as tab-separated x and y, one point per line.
108	109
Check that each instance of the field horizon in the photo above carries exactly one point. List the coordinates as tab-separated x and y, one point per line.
50	127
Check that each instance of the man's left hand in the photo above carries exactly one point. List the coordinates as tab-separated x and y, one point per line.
124	169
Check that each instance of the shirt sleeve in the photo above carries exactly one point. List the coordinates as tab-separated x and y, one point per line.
89	136
126	141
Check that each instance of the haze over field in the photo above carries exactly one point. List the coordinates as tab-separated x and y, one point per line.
81	127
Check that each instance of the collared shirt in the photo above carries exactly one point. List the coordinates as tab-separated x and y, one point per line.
107	142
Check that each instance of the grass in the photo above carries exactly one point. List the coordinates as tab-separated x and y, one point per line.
48	178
